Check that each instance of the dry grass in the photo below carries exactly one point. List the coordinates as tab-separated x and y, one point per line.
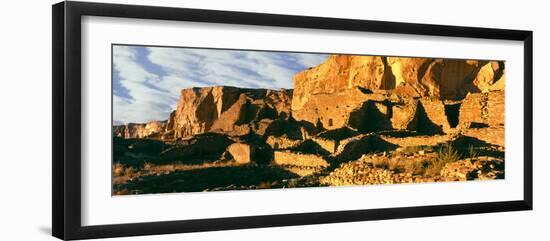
118	170
130	171
430	165
415	167
446	154
399	165
122	173
264	185
472	153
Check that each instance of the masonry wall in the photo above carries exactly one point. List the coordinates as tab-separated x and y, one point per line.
482	109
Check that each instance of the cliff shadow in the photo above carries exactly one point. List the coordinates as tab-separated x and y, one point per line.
291	128
354	149
388	80
261	152
465	145
424	124
310	147
202	148
370	117
452	111
198	180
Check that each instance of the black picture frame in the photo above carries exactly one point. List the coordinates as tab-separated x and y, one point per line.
66	47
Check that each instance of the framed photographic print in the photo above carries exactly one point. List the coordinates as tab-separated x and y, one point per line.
170	120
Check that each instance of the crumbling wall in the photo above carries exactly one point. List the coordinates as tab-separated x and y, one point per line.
404	115
297	159
282	142
432	118
327	144
332	111
482	109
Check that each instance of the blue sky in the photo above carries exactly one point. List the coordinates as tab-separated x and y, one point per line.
147	80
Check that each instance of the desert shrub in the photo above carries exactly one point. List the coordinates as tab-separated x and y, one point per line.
264	185
129	171
380	163
396	165
446	154
472	152
415	167
121	192
292	183
147	166
118	170
413	149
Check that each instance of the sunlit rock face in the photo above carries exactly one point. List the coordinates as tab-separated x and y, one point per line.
365	93
139	130
335	93
226	109
352	120
449	79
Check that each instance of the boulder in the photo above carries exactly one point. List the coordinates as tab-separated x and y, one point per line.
240	152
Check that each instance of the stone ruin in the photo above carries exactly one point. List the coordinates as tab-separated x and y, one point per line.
335	107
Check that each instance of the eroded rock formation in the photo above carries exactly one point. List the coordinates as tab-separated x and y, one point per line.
139	130
226	109
348	114
373	93
446	79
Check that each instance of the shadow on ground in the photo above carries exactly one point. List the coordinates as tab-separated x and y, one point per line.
239	177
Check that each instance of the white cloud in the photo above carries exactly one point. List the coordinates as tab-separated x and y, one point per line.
146	103
154	92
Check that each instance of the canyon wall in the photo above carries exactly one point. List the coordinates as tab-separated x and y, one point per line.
365	93
335	93
139	130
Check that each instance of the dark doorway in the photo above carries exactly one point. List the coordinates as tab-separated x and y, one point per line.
452	111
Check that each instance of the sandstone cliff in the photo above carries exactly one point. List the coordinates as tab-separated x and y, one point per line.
372	93
365	93
140	130
226	109
446	79
352	120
